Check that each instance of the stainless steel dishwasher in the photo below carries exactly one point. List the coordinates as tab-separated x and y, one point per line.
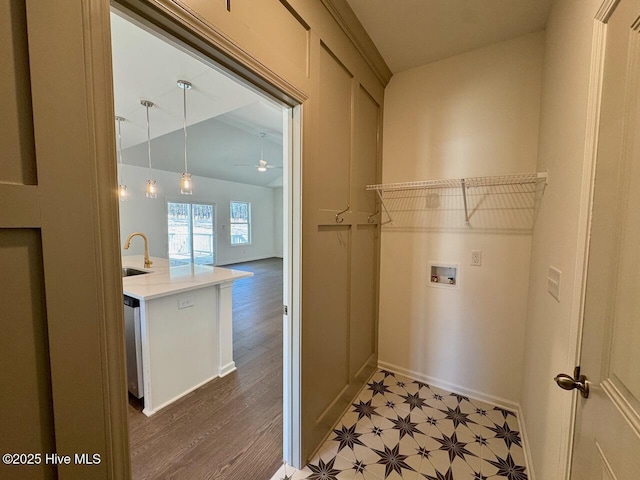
133	346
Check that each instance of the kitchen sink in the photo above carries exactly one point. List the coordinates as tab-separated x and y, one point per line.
130	272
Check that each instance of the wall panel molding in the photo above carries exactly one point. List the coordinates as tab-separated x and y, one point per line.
348	21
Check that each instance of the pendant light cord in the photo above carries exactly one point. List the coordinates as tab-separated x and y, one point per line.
119	151
148	141
184	102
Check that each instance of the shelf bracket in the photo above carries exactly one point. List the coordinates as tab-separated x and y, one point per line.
544	175
463	183
384	207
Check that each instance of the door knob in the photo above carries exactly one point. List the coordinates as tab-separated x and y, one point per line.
567	382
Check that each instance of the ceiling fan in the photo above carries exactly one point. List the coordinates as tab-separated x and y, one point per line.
262	165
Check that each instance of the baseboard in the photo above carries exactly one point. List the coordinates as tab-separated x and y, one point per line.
525	440
225	370
148	412
247	259
452	387
481	396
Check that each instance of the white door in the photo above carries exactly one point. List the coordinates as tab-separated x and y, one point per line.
607	435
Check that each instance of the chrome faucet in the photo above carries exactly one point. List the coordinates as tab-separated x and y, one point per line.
127	244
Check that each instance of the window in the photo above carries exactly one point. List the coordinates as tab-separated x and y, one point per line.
191	230
240	223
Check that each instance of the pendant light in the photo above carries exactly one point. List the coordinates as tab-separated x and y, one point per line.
186	185
262	164
122	188
152	187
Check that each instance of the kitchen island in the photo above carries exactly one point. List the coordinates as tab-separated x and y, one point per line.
185	331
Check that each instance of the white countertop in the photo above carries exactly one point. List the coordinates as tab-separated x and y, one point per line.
163	280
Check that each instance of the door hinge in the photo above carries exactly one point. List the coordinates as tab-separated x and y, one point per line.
285	310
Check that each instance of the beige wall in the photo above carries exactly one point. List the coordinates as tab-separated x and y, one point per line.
548	348
474	114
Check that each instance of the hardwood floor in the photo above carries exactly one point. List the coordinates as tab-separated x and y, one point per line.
230	428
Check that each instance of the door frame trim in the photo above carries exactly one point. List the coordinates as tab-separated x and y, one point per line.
210	44
292	332
596	76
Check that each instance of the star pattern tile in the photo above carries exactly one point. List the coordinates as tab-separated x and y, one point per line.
347	437
414	401
460	398
479	439
378	388
453	446
323	471
400	428
457	416
505	413
392	460
507	468
509	436
359	466
364	409
442	476
405	426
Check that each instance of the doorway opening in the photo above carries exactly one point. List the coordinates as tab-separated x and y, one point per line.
239	141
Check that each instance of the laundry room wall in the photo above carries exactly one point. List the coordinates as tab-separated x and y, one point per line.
475	114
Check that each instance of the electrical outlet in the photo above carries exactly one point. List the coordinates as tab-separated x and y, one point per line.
476	258
185	302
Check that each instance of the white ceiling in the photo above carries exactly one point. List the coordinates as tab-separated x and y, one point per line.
218	148
410	33
148	67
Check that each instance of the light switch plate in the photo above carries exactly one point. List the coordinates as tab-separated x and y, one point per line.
185	302
553	282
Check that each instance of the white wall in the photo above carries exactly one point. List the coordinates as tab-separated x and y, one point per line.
150	216
278	220
555	239
474	114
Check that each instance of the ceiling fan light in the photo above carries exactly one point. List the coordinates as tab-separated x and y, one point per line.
186	185
262	169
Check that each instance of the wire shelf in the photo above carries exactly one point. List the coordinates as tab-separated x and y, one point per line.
505	202
520	179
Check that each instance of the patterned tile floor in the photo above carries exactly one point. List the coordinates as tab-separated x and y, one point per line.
399	428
